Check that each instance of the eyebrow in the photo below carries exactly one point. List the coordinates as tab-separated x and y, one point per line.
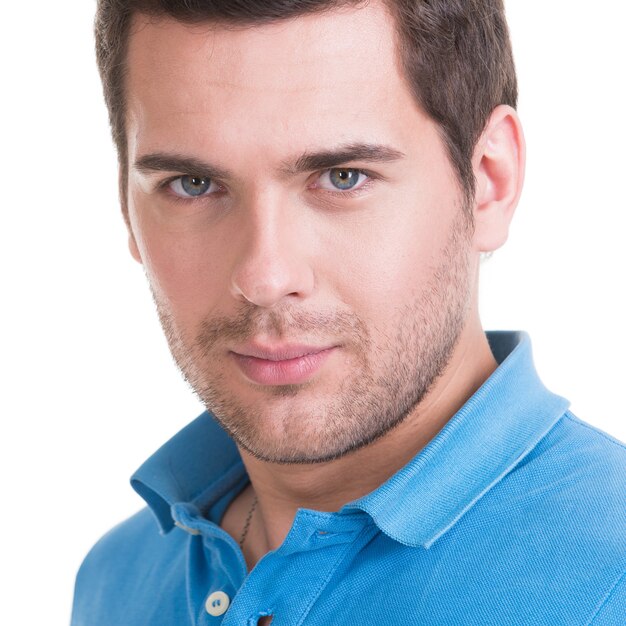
370	153
306	162
162	162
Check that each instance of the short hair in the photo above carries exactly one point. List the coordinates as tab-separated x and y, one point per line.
456	55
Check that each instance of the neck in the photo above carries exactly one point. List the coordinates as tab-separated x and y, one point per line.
282	489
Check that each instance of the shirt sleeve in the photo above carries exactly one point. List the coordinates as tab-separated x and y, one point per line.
612	612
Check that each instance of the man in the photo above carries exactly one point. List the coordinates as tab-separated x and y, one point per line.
309	187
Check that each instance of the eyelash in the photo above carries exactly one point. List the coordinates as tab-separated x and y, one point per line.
350	193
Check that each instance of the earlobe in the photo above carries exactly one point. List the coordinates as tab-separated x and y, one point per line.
134	249
499	161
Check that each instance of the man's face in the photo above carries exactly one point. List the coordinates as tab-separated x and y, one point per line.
300	224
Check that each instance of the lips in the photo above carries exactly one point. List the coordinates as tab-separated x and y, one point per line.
287	364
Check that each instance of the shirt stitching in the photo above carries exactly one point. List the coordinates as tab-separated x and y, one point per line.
606	599
331	573
572	418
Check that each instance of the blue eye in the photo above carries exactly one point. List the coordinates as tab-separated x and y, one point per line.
190	186
342	179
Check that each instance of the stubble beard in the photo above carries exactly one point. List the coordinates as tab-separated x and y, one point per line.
390	379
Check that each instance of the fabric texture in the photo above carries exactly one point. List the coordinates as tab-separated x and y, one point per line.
514	514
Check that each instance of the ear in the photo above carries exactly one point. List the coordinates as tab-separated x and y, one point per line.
123	193
499	161
132	246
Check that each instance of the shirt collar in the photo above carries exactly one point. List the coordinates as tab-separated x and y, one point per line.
484	440
199	465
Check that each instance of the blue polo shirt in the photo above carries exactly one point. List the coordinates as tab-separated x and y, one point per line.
515	513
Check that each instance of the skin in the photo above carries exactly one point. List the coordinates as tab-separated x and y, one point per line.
386	276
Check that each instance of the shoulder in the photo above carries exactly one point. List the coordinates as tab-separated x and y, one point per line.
134	541
577	449
122	565
574	480
596	439
550	535
588	464
565	503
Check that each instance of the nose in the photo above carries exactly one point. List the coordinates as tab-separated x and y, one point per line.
271	263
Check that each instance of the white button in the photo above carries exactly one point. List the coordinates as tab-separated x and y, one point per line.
217	603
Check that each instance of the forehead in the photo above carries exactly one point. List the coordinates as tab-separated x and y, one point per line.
317	79
356	32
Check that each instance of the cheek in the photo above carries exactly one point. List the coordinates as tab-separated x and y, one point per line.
183	270
381	263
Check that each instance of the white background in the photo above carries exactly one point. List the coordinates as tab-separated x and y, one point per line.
88	389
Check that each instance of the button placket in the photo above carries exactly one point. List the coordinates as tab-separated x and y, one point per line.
214	572
299	559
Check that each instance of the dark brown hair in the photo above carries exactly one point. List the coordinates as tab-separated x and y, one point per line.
456	55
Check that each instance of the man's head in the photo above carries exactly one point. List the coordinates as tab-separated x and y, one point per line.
309	222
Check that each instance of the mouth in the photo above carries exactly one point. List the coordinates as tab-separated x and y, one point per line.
287	364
